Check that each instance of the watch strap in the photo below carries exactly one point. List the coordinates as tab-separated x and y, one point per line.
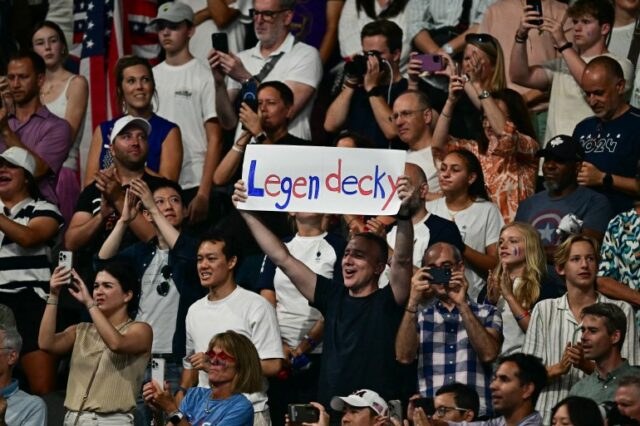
175	417
564	47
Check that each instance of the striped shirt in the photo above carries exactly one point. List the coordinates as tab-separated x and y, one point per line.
434	14
22	268
551	327
446	354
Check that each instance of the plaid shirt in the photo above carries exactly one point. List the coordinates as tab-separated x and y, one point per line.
446	354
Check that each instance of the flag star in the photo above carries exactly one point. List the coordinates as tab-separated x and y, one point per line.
90	44
82	6
136	27
84	36
110	14
107	33
90	6
90	25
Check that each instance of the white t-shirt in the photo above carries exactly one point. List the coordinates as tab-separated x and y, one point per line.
158	311
620	40
243	312
424	158
513	334
200	43
186	96
300	63
295	316
479	226
567	106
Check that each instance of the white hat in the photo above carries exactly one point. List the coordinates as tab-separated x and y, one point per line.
20	157
175	12
123	122
361	398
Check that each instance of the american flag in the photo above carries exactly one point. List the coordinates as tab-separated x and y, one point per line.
103	31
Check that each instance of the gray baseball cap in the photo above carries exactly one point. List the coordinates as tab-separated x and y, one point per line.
174	12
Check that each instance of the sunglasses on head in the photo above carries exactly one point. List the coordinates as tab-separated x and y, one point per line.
164	286
480	38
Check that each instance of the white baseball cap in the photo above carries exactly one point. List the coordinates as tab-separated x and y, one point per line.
20	157
123	122
360	399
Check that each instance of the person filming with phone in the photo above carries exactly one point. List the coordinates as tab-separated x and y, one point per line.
468	334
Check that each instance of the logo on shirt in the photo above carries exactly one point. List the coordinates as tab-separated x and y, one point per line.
183	93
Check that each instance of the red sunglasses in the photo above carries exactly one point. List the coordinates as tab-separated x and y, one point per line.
218	358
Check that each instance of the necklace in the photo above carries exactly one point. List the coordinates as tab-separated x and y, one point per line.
454	213
207	409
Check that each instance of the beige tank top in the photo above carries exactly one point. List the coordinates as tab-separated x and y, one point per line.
118	377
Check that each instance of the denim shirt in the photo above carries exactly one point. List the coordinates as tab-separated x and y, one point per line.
182	261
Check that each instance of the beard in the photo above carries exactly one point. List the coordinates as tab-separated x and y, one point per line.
551	186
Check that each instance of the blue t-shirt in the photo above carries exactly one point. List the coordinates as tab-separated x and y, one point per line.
201	410
160	128
613	147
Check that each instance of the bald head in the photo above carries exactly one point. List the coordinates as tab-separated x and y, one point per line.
603	84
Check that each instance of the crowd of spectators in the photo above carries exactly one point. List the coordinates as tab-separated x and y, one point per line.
505	291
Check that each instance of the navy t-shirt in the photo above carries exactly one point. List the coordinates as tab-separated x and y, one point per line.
359	341
613	147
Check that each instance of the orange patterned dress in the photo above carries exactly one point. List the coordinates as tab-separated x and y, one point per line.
509	166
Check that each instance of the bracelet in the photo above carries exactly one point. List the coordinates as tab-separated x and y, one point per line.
312	343
52	300
410	311
523	316
91	305
564	47
236	148
521	39
376	91
442	113
350	84
180	389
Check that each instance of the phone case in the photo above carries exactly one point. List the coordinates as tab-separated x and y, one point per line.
157	370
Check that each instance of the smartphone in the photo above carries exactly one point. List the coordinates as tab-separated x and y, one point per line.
303	413
426	404
440	275
431	63
537	6
220	42
157	370
395	409
65	259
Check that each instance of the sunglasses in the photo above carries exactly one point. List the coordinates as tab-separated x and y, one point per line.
164	286
220	358
173	26
480	38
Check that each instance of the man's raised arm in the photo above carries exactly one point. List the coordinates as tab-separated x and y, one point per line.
300	275
402	260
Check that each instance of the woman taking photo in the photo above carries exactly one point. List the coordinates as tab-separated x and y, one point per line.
234	369
65	94
135	89
28	228
506	148
466	203
109	354
514	285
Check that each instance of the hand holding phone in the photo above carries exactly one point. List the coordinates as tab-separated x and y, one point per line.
65	260
303	413
157	370
537	7
220	42
431	63
440	276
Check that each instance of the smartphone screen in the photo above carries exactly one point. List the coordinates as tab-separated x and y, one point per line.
537	6
220	42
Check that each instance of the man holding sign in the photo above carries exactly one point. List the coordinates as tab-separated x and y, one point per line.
361	319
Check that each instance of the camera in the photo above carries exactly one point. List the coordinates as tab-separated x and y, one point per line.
614	417
357	66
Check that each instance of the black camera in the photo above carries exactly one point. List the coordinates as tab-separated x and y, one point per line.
615	417
357	66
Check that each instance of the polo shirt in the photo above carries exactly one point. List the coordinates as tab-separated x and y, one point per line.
49	136
533	419
299	62
446	354
602	389
23	409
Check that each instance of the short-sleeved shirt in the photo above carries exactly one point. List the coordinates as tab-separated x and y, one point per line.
551	327
23	409
320	253
299	63
434	14
359	341
160	128
49	136
613	147
533	419
200	409
602	390
446	354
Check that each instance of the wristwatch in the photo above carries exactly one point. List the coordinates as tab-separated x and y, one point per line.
175	417
261	137
484	95
447	48
607	181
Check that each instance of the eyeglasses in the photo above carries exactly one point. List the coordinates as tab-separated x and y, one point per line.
267	15
405	114
162	24
443	410
480	38
220	358
164	286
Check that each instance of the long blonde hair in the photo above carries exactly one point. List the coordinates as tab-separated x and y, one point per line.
491	46
535	269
